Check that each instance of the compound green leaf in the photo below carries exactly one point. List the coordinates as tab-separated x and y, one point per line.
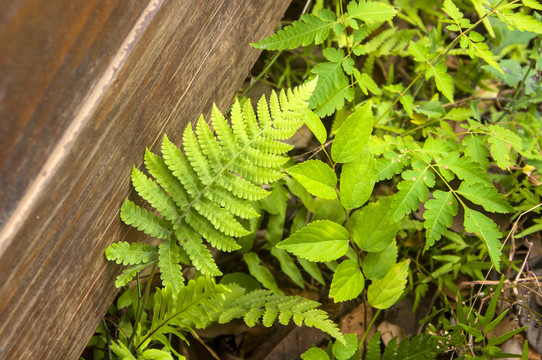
377	264
490	199
358	178
348	281
521	21
383	293
486	229
198	253
143	220
352	136
439	216
315	176
321	240
373	231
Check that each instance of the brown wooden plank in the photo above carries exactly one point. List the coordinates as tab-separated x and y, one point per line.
85	86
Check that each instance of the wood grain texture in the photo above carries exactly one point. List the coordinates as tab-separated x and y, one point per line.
85	86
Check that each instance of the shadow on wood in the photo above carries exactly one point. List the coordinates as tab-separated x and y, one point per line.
85	86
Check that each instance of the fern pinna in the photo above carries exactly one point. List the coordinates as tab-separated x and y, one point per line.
207	192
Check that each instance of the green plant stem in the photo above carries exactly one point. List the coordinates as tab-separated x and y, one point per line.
107	339
260	75
364	338
143	305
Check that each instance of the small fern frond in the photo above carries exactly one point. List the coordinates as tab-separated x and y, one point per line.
128	274
308	29
206	191
270	307
131	254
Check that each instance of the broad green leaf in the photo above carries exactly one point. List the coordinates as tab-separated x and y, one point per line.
333	99
315	176
464	168
358	178
321	240
490	199
242	279
373	230
345	352
315	353
439	216
277	200
383	293
377	264
288	266
352	136
261	273
486	229
316	126
412	191
348	281
170	270
443	80
371	12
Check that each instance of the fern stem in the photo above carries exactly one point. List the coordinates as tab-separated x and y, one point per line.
143	305
259	76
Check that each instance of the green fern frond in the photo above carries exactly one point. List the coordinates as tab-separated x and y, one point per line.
128	274
131	254
308	29
417	348
206	191
270	307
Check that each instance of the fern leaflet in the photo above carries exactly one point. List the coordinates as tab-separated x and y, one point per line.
267	306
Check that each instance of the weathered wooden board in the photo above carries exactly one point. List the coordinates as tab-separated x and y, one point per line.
85	86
